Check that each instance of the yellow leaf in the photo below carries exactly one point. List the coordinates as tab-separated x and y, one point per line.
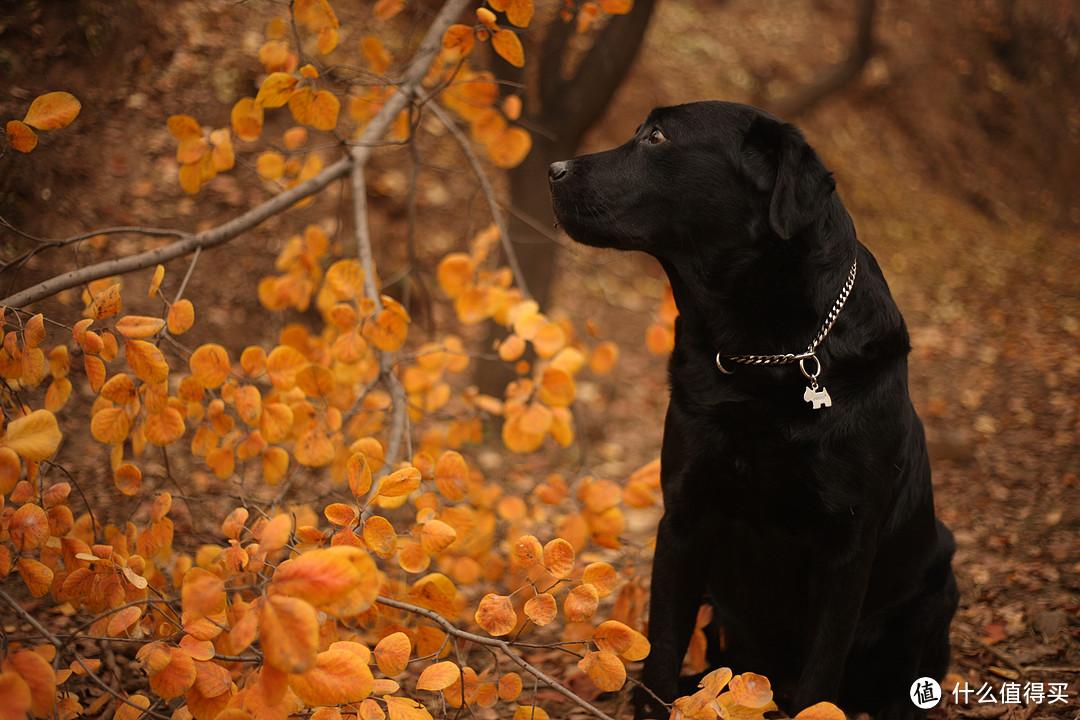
191	150
247	119
495	614
183	127
10	470
275	90
275	464
541	609
300	105
314	449
358	473
275	534
389	330
601	576
439	676
451	476
379	535
386	9
120	389
455	273
528	552
401	708
315	380
581	603
289	633
605	670
52	111
550	338
276	422
95	371
751	690
392	653
181	316
210	365
507	44
613	636
338	677
20	136
271	165
487	18
530	712
519	12
324	109
34	331
282	365
436	536
33	437
146	361
400	483
139	326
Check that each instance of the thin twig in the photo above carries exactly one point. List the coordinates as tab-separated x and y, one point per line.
489	194
501	645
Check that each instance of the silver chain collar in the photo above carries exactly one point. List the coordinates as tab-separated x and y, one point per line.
814	394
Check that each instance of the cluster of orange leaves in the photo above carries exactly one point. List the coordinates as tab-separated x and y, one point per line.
50	111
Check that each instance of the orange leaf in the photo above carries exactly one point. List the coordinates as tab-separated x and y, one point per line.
436	536
601	576
549	339
392	654
530	712
164	428
507	44
183	127
339	676
613	636
181	316
275	534
821	711
210	365
401	708
328	40
275	90
389	330
314	449
323	112
325	575
33	437
616	7
605	670
559	558
121	621
541	609
751	690
275	463
29	528
400	483
110	426
300	105
146	361
510	687
128	479
247	119
34	331
282	365
52	111
105	304
455	273
139	326
290	633
386	9
451	476
496	615
20	136
439	676
358	472
581	603
270	165
315	380
379	535
528	552
39	676
171	670
10	470
37	576
459	38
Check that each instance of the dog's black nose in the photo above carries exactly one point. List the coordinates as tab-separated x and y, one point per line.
558	170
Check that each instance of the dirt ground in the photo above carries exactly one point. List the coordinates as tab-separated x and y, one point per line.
957	152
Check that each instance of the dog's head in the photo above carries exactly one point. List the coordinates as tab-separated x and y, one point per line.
707	177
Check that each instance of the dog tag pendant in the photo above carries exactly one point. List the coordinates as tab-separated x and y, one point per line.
817	396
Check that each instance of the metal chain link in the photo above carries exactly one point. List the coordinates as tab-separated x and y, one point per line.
789	358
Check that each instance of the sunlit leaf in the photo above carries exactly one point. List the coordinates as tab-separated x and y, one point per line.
605	670
275	90
392	654
247	119
510	686
139	326
146	361
275	464
455	273
402	708
95	371
338	677
165	427
128	479
182	127
388	331
315	380
52	111
601	576
282	365
581	603
751	690
541	609
528	552
275	534
451	476
20	136
39	676
559	558
34	330
324	576
171	670
28	528
181	316
324	109
495	614
508	45
314	449
210	365
10	470
530	712
438	676
400	483
290	633
358	473
105	304
33	437
821	711
121	621
328	40
460	39
436	536
613	636
37	576
379	535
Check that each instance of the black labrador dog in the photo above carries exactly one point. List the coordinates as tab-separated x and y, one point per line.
796	484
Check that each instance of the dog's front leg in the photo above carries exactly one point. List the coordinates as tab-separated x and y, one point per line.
836	596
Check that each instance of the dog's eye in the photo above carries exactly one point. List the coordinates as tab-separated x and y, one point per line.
656	137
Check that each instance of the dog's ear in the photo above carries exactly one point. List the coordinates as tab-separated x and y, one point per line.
778	159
